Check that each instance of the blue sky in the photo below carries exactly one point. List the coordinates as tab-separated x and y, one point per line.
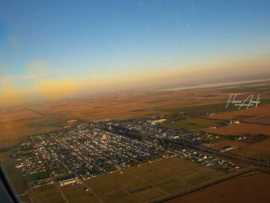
81	38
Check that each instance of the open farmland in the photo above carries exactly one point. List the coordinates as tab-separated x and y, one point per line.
242	129
150	181
252	115
19	122
260	150
253	121
47	194
222	144
193	124
248	188
146	182
16	123
12	132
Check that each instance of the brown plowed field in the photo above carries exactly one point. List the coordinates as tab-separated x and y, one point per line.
249	188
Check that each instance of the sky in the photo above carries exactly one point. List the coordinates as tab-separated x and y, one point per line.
55	48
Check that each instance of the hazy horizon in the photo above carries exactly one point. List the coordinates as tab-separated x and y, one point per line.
52	50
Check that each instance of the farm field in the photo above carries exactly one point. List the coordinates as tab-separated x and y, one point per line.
249	188
194	124
257	115
204	108
146	182
16	123
260	150
49	193
242	129
253	121
143	101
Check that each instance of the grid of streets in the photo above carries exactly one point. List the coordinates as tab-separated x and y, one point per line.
86	150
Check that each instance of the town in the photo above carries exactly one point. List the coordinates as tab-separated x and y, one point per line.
83	150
